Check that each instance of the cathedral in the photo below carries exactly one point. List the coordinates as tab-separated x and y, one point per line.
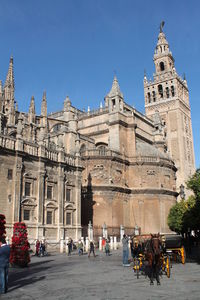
112	166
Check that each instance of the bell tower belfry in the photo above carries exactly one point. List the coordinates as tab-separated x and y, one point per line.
168	95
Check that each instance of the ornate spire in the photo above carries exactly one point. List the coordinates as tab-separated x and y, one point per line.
10	75
44	105
145	76
162	47
32	106
115	90
67	103
9	86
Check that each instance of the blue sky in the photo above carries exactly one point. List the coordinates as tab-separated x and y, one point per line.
73	47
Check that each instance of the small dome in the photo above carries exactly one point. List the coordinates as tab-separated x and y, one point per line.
145	149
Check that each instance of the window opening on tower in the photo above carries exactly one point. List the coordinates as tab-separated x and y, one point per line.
160	90
172	91
162	66
167	92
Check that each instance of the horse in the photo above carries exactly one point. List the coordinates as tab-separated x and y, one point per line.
152	255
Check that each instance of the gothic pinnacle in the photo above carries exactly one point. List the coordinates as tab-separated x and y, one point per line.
44	97
115	90
44	105
10	75
32	105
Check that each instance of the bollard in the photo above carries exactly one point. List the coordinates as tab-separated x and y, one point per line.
115	243
111	243
86	244
100	243
61	245
66	246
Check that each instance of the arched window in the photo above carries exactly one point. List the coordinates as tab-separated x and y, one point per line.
167	92
149	97
82	150
172	91
101	147
102	150
154	96
160	90
162	66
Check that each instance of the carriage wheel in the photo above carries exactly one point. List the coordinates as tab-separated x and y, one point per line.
183	255
168	266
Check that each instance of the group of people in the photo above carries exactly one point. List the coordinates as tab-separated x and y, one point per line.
40	248
91	249
80	247
41	251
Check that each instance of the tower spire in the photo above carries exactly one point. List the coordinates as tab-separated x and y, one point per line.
44	105
10	75
115	90
9	86
163	59
32	106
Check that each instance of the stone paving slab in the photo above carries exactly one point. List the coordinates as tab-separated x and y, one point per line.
101	278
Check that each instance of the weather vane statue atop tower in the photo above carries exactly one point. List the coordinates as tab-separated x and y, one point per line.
161	26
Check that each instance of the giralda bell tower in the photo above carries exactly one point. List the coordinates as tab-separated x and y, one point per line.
167	96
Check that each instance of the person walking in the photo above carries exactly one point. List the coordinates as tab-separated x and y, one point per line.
70	245
107	248
91	249
80	248
125	241
37	248
4	265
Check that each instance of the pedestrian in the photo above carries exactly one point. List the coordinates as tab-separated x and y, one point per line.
125	241
103	243
69	244
37	248
107	248
80	248
91	249
42	248
4	265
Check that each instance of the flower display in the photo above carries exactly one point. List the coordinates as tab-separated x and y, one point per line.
2	226
20	246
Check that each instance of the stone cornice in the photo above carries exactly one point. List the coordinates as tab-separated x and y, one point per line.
114	188
122	123
154	191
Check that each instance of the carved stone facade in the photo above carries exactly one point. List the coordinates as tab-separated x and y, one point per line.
40	181
108	166
167	96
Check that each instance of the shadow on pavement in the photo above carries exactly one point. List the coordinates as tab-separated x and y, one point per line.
20	277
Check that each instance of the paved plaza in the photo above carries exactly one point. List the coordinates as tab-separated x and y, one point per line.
61	277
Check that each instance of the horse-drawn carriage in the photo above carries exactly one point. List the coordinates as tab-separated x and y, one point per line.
156	252
174	245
